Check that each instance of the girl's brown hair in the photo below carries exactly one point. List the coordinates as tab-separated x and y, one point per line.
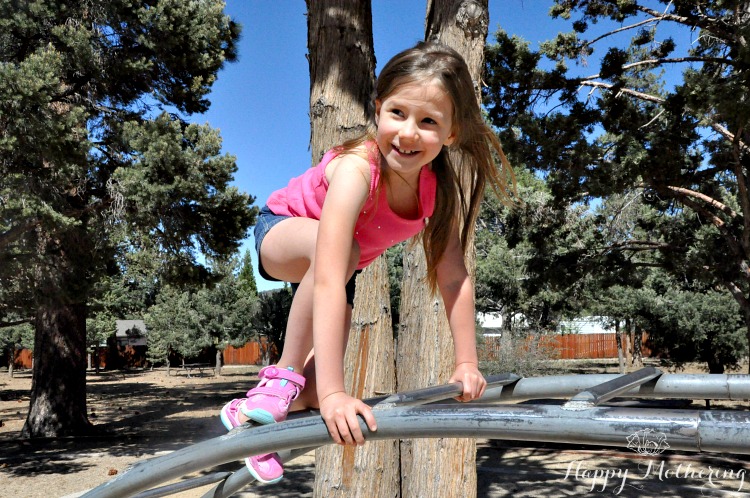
460	183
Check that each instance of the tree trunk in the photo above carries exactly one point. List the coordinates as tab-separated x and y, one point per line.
342	77
11	361
58	386
217	369
637	343
370	470
620	354
437	467
342	71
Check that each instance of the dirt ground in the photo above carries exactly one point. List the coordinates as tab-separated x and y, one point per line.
148	414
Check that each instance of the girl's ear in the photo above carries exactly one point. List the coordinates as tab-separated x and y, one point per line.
378	104
450	140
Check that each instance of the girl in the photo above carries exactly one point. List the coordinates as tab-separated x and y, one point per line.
363	197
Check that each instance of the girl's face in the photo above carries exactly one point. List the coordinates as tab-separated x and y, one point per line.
414	122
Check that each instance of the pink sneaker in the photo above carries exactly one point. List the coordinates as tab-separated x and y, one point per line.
269	401
230	413
265	468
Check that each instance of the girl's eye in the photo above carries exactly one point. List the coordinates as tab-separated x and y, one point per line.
397	112
429	121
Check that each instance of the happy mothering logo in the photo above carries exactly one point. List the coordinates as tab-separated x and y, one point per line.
651	443
648	442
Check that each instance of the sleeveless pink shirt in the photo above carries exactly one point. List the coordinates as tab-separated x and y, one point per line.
377	227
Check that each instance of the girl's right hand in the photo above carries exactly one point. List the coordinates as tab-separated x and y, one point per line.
339	411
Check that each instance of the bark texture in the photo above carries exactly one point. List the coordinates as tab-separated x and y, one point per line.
342	76
58	387
370	470
437	467
342	71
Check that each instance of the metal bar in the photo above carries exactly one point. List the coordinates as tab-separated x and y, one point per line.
688	430
177	487
241	478
684	386
608	390
436	393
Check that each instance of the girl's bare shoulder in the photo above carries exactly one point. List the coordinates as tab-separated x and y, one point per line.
348	162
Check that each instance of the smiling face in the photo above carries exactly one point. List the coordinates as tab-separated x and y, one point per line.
414	122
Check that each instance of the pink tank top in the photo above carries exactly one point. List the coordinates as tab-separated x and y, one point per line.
377	227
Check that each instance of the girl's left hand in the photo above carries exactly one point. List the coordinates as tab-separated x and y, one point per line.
472	379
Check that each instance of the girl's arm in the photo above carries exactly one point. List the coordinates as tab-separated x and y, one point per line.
348	189
457	291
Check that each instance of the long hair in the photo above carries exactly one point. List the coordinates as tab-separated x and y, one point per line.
460	185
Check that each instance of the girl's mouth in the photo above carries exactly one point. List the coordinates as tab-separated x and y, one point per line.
404	152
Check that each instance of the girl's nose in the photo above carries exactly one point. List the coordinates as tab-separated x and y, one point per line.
408	130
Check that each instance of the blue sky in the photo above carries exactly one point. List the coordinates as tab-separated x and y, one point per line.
260	103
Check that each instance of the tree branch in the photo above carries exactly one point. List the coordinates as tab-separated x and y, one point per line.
659	100
4	325
705	198
677	60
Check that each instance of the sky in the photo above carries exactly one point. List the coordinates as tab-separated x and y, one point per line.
260	104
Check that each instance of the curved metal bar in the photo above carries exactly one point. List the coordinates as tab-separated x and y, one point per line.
177	487
689	386
242	478
689	430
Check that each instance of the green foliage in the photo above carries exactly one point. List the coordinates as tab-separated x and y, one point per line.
271	319
636	129
188	321
97	160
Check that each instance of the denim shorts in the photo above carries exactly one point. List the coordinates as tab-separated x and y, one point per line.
266	220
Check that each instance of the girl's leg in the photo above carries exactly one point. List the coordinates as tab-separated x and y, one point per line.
309	396
288	253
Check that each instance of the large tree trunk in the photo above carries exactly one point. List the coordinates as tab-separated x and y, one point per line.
342	71
58	387
371	470
342	74
437	467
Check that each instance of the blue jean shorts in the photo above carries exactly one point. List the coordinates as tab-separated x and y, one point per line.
265	221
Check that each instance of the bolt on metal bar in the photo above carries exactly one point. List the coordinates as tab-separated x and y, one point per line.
689	430
608	390
685	386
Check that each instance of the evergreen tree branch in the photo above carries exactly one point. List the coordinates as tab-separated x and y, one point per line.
14	323
728	236
659	100
712	25
668	60
705	198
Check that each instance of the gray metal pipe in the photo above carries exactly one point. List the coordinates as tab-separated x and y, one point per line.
689	430
683	386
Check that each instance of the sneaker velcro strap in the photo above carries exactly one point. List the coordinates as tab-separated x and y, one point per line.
273	372
274	391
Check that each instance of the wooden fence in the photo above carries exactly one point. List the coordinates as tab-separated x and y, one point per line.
568	346
565	347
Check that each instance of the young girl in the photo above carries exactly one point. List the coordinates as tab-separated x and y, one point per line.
363	197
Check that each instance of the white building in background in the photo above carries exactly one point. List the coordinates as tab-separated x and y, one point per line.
131	333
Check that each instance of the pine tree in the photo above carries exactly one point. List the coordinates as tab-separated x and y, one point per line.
95	155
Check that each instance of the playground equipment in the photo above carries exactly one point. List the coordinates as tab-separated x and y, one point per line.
430	412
